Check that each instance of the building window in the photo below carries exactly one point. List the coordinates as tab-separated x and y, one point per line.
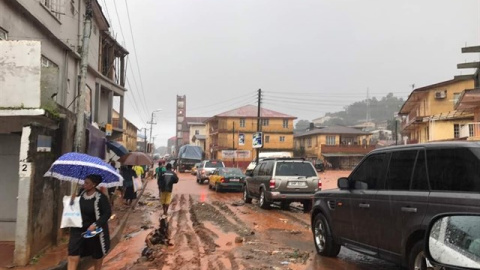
456	130
285	123
47	63
456	96
309	142
267	138
3	34
330	140
282	138
197	132
265	122
54	6
242	122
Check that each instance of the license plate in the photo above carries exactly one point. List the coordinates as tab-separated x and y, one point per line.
296	184
234	180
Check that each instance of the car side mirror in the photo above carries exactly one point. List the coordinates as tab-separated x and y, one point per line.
453	241
343	183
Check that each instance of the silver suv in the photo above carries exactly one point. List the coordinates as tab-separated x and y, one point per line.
206	168
283	179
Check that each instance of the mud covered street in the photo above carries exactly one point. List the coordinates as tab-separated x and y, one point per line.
210	230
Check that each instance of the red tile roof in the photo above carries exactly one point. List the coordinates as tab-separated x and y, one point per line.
251	111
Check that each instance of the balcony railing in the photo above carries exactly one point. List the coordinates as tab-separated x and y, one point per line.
347	149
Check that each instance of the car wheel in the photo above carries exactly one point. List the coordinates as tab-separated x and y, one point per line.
418	260
263	200
246	197
323	239
307	206
285	205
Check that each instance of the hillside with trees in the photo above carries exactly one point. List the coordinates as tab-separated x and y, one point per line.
380	111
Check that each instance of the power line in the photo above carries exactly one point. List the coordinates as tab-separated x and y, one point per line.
144	105
136	55
224	101
135	103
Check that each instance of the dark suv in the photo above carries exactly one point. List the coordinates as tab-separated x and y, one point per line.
383	208
285	180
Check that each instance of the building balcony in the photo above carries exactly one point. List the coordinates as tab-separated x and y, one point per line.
347	149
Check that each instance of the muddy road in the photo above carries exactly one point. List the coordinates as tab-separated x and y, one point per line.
211	230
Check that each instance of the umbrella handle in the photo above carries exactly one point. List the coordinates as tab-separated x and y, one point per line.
74	194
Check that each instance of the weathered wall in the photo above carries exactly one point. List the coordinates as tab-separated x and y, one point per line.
20	74
47	193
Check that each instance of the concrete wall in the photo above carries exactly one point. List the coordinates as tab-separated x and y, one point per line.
21	26
20	74
437	106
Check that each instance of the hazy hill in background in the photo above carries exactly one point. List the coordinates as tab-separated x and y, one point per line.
379	111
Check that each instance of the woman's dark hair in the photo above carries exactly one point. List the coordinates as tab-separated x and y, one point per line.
169	166
96	179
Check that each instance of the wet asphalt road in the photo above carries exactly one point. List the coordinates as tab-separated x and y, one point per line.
276	219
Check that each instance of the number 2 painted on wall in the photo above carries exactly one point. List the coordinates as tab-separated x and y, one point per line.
24	167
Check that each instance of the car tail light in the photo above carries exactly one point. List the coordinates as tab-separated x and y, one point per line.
319	183
272	183
222	180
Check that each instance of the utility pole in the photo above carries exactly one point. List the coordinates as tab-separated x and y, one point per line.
258	121
151	128
146	139
79	142
233	140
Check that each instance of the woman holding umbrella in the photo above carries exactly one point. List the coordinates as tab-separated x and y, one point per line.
93	238
129	193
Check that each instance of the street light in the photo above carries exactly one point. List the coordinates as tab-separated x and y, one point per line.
151	123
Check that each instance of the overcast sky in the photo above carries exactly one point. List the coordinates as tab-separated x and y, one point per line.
309	57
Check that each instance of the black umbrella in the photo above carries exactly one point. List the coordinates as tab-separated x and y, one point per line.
117	148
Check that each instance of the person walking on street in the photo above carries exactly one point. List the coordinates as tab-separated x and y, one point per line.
93	238
165	185
129	193
139	170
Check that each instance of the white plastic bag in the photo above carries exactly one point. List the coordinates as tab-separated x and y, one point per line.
71	216
137	184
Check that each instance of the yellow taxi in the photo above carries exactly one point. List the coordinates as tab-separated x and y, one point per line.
226	178
193	171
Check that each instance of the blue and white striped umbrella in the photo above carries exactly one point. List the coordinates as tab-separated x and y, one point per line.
75	167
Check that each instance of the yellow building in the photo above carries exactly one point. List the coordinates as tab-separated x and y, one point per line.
341	147
224	130
429	113
129	135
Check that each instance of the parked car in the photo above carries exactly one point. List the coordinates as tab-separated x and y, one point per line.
226	178
194	168
383	208
284	180
206	168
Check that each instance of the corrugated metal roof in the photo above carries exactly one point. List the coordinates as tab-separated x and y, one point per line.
333	130
252	111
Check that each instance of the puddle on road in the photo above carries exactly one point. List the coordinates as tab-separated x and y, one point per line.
225	241
129	250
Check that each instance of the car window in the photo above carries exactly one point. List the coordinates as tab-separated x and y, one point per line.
213	164
294	169
368	175
420	177
257	169
456	169
400	170
269	168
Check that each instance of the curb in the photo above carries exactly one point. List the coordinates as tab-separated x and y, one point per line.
115	238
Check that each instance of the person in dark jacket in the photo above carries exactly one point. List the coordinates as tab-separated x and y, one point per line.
95	210
165	184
